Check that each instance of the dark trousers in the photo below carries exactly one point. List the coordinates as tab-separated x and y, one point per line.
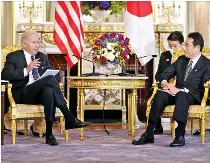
46	91
181	101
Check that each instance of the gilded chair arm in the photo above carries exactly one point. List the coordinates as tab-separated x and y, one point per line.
206	93
10	97
155	86
62	88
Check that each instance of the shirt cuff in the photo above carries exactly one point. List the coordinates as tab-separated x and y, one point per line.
163	81
185	90
25	72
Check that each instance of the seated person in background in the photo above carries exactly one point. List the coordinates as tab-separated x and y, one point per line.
191	70
175	40
22	69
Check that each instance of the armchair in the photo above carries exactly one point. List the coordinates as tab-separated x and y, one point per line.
26	111
195	111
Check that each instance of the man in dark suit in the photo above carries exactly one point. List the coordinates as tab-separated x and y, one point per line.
191	70
22	69
175	40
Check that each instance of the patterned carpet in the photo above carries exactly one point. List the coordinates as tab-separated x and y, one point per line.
99	147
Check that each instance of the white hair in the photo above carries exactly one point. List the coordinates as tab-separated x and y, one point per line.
28	33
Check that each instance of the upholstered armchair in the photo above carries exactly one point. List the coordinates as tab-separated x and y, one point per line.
195	111
26	111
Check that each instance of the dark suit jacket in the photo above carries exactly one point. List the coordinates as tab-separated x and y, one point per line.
164	62
196	79
13	71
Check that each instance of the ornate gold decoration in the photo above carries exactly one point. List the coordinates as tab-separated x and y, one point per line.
91	37
98	28
157	38
35	27
206	50
105	83
162	48
9	49
47	37
168	28
48	28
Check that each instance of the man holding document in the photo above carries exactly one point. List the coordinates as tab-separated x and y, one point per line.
24	70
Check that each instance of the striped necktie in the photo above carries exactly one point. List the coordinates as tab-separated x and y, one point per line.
188	70
35	72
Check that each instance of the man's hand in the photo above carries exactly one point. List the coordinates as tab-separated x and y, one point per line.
173	90
164	85
34	64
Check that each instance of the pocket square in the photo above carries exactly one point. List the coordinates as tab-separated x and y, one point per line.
167	60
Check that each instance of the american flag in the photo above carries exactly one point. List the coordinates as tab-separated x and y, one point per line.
68	30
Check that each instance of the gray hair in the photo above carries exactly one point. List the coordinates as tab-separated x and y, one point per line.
28	33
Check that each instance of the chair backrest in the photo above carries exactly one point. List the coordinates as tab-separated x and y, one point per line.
6	51
177	53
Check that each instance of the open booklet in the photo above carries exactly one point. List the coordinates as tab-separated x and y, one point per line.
49	72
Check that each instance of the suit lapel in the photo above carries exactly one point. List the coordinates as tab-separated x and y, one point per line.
197	66
183	68
23	58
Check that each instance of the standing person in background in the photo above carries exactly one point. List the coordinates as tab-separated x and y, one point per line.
175	41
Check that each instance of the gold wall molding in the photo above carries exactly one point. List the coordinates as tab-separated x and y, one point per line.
48	38
168	28
25	26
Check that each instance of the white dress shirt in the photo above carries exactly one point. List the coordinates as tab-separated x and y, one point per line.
28	60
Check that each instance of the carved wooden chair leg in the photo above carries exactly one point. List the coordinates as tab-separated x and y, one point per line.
146	124
202	124
42	128
66	135
13	129
61	124
25	127
191	126
172	127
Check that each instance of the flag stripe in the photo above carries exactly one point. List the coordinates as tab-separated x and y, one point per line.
68	30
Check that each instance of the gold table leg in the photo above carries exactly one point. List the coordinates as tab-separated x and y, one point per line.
81	107
129	113
133	112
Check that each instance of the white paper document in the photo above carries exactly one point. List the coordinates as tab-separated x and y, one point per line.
49	72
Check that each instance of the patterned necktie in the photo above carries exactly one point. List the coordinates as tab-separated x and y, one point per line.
188	70
35	72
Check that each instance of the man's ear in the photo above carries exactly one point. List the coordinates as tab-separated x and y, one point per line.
24	44
198	47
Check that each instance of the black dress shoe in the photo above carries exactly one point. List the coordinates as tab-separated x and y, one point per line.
144	139
36	134
158	131
51	140
76	124
179	141
197	132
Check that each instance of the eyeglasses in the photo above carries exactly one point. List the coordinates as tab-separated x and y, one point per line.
184	45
